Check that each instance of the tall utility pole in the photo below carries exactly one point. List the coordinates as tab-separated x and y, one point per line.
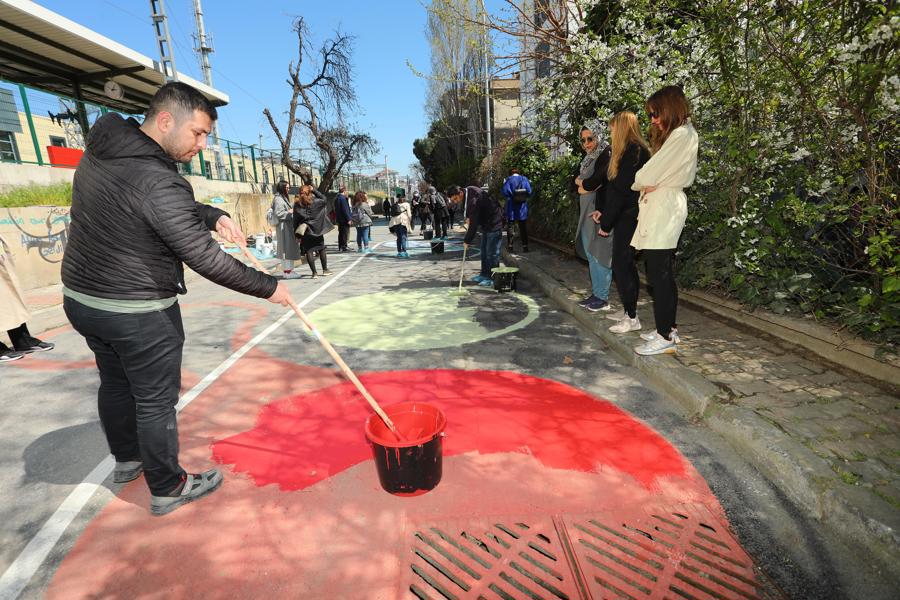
487	95
204	47
163	39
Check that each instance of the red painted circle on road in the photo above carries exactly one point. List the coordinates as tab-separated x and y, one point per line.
299	441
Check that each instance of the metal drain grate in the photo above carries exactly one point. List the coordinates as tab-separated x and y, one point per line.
505	559
681	553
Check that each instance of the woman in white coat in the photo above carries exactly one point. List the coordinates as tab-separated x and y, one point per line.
663	207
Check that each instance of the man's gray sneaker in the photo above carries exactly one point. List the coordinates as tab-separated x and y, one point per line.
196	485
127	471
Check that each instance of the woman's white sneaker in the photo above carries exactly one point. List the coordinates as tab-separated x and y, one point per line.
658	346
652	335
625	325
617	316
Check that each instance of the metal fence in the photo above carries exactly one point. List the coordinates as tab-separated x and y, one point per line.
38	128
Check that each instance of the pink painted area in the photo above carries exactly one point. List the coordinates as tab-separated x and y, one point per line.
302	440
344	537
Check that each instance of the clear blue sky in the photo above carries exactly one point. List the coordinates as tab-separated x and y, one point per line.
254	43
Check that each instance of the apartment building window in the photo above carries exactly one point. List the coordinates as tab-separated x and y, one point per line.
8	150
55	140
241	173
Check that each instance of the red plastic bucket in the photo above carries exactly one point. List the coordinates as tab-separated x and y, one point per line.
413	466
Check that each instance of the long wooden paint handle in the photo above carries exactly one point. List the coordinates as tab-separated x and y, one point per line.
347	371
334	355
462	267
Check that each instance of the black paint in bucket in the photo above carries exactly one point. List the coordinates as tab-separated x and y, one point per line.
413	466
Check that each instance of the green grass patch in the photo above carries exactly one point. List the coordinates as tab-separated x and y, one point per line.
59	194
846	476
887	498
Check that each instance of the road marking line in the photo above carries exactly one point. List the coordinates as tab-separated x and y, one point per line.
23	568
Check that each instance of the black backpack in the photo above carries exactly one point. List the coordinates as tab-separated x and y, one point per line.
396	211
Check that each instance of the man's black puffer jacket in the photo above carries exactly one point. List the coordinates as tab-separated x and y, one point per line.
134	221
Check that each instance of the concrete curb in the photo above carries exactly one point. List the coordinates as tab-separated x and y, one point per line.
853	514
692	391
849	352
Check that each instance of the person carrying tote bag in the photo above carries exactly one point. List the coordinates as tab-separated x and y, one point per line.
287	248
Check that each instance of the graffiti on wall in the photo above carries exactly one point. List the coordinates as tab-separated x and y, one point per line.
48	234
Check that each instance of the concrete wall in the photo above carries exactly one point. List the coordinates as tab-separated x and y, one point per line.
13	175
37	235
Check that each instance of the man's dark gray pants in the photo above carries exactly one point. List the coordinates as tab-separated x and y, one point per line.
139	359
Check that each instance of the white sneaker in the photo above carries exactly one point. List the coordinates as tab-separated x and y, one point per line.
625	325
292	275
658	346
652	335
617	316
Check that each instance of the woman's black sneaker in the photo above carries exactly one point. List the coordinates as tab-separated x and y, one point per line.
597	304
587	300
32	344
9	355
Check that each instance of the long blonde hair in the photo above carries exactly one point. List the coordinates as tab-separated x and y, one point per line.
624	131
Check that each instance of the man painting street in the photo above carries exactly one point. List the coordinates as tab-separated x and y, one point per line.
483	214
134	222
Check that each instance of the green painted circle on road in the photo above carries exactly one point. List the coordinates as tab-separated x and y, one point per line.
424	318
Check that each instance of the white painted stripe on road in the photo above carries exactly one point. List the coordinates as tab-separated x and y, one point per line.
20	572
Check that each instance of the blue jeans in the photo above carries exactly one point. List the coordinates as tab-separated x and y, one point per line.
362	237
401	238
490	251
601	275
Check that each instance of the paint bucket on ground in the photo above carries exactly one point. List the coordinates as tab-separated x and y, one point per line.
258	240
414	466
505	278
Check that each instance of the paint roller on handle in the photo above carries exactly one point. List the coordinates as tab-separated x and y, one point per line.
331	351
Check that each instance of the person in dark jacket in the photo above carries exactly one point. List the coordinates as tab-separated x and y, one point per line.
342	218
517	190
439	213
134	222
620	214
311	223
483	214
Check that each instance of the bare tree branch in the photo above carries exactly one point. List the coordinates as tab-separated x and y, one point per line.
329	93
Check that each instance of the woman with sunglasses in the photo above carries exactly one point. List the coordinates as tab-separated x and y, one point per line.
597	250
663	207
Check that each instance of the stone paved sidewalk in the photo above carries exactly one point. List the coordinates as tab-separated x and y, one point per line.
829	437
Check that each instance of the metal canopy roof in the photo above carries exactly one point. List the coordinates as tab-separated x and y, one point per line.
46	51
